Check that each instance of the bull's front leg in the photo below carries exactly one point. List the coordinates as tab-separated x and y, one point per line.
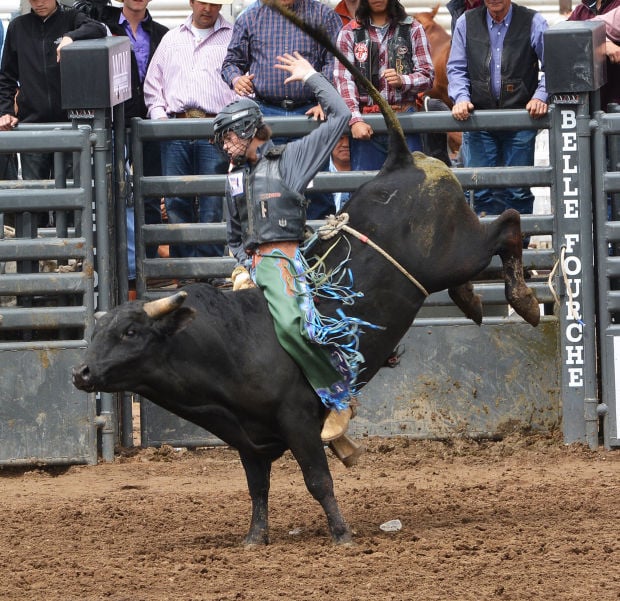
507	230
258	473
311	457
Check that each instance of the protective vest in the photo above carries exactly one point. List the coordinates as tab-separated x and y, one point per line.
519	70
268	209
399	51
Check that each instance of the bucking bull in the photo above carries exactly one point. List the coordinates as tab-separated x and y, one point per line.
212	356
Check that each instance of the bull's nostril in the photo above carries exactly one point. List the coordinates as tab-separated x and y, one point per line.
81	373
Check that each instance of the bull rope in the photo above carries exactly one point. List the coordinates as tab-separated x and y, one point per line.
571	306
334	223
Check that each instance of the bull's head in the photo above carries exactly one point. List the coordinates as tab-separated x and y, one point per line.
128	340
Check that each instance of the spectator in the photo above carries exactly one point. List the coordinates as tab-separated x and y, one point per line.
183	80
340	160
8	162
505	75
457	7
260	35
391	49
602	10
30	66
135	22
612	43
346	9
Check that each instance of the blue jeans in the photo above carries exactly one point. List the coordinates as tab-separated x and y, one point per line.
501	149
369	155
269	110
152	213
320	204
193	157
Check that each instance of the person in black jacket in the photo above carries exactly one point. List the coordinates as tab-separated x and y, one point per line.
30	66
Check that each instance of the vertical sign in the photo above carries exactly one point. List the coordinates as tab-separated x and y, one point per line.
572	322
574	247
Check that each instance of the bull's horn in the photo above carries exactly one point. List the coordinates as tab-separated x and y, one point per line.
162	306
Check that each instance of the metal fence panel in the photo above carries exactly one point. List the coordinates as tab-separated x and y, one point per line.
607	211
466	380
43	417
47	308
158	426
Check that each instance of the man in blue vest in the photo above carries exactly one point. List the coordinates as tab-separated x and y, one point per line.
496	61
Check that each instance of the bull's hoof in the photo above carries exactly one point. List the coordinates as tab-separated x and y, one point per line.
256	540
343	539
526	305
341	534
467	301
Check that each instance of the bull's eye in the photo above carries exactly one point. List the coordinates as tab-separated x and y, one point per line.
129	333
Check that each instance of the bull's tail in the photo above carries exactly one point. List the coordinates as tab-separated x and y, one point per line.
398	154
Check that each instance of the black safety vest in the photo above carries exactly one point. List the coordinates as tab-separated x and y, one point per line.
519	71
268	209
400	52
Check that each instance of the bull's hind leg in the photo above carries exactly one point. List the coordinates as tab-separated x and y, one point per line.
507	230
258	472
464	298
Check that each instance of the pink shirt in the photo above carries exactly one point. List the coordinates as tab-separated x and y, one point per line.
612	23
185	72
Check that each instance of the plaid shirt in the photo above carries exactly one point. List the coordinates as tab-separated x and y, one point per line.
421	79
260	34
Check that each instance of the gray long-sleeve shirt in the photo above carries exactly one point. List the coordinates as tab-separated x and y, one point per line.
301	159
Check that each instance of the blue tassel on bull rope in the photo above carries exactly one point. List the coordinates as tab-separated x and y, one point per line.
340	333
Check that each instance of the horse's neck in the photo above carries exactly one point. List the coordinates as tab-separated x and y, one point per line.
436	33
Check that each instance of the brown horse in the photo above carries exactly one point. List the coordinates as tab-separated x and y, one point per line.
439	43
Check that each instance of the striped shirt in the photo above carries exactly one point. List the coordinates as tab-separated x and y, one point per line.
185	71
261	34
420	80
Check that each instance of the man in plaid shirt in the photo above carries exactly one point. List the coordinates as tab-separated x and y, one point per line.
391	49
260	34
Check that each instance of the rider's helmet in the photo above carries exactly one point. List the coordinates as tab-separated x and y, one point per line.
243	117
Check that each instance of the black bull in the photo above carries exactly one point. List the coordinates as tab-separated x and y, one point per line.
214	359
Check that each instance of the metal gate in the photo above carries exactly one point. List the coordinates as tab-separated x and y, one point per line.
606	184
47	305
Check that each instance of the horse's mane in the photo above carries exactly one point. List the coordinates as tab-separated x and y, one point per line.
398	154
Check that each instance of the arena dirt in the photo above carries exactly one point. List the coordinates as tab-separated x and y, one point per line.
524	518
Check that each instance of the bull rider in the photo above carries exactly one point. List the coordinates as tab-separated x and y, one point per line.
266	223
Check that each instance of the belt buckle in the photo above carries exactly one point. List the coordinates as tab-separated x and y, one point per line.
195	113
287	104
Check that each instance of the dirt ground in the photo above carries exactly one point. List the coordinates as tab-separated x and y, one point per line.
523	518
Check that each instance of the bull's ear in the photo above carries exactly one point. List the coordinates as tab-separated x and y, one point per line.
176	321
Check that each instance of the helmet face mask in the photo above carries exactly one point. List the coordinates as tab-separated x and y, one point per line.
234	147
